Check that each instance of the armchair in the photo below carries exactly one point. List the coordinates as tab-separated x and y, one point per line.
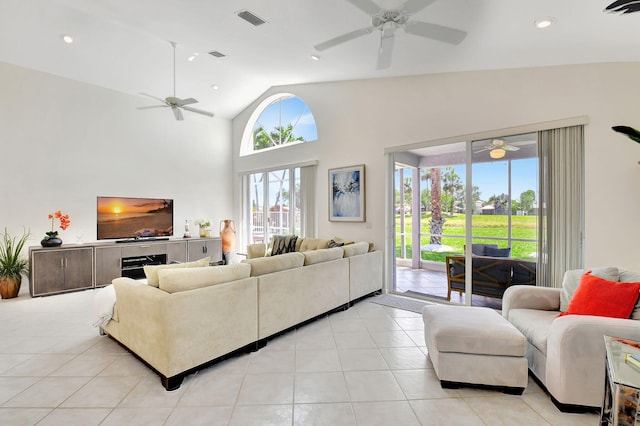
566	354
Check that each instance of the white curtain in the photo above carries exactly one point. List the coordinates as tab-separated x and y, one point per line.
308	201
561	205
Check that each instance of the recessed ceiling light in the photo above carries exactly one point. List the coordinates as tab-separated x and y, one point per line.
544	22
215	86
315	57
67	39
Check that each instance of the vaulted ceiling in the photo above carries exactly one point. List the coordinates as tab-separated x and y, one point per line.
124	44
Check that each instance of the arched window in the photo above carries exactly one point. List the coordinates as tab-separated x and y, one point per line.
279	120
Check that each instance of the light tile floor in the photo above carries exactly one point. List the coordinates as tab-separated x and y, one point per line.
363	366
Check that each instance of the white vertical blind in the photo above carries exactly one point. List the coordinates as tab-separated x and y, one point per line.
308	201
561	217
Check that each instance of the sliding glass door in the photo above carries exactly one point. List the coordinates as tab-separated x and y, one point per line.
478	195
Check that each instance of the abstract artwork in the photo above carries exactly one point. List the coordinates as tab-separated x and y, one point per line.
346	194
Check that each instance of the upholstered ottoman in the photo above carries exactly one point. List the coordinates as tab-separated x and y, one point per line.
473	345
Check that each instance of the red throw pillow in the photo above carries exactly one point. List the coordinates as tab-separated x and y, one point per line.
604	298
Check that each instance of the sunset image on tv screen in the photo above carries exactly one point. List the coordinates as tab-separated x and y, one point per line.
120	217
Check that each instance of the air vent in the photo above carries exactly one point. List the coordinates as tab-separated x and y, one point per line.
251	18
217	54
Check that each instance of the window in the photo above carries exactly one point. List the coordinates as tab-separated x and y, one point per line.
280	120
274	199
279	202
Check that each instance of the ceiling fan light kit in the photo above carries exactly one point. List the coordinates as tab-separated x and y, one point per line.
497	153
388	21
176	104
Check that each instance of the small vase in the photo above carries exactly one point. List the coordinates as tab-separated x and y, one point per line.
9	287
51	240
205	233
228	235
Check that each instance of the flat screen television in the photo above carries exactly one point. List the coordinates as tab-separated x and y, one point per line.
124	218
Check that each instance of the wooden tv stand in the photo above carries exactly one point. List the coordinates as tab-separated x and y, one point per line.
73	267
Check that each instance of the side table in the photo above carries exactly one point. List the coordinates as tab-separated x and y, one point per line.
622	384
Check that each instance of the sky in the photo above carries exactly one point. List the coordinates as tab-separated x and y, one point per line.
290	110
492	177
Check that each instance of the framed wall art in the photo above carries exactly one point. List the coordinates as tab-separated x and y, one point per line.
346	194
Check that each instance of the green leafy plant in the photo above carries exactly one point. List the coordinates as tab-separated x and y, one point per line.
632	133
12	264
202	223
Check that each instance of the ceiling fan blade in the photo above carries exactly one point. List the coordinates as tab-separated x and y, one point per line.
367	6
486	148
386	51
153	106
435	31
199	111
154	97
188	101
414	6
177	113
343	38
510	147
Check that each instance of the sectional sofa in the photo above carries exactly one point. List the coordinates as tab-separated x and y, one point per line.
185	318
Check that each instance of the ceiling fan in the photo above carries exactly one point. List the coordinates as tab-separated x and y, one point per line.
623	6
388	21
176	104
497	148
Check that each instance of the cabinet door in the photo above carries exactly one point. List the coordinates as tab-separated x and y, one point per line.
47	272
108	266
203	247
196	250
55	271
214	249
78	268
177	252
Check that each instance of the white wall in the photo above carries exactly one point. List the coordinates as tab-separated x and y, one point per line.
63	143
357	119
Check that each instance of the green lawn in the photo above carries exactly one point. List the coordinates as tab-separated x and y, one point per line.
485	227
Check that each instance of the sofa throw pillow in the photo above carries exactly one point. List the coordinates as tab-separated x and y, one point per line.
283	244
334	243
479	249
497	252
572	278
313	244
600	297
151	271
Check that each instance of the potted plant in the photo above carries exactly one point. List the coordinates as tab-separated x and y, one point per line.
12	264
204	225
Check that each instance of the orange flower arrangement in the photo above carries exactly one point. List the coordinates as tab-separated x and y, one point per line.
64	223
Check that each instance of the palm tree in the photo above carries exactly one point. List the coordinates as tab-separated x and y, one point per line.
278	136
451	183
437	223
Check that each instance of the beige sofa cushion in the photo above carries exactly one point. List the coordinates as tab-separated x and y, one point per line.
323	255
256	250
355	249
182	279
313	244
268	265
151	271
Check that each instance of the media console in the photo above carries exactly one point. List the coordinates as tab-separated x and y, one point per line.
72	267
133	267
